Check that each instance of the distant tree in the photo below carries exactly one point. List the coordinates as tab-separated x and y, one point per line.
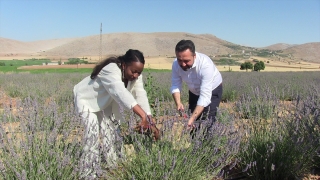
259	66
73	61
246	66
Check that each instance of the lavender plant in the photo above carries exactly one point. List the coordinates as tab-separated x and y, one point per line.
40	86
49	135
284	148
42	146
177	156
152	90
261	104
287	84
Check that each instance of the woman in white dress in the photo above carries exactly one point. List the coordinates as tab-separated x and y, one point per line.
114	83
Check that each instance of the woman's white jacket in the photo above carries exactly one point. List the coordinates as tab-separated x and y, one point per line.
108	91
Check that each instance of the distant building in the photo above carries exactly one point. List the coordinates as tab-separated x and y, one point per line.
50	63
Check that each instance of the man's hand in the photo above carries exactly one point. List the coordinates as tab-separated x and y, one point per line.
190	125
196	113
180	107
183	114
176	97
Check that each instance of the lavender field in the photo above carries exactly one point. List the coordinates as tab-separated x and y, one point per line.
268	127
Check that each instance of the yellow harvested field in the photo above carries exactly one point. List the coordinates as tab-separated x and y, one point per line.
166	63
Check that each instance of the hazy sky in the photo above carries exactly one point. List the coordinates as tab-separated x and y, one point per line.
255	23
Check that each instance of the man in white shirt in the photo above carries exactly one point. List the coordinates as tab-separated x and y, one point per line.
203	79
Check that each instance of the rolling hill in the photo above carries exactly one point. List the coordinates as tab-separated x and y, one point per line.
151	44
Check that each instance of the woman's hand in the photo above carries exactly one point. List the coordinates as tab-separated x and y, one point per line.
148	127
155	132
144	124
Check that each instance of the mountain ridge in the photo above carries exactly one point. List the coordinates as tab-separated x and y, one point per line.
151	44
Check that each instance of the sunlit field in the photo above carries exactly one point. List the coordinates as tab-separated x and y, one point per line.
267	128
25	64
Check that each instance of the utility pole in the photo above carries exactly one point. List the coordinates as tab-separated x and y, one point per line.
100	51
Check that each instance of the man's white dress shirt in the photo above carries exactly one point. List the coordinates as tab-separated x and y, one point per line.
202	78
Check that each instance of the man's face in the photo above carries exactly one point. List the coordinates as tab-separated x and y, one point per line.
185	59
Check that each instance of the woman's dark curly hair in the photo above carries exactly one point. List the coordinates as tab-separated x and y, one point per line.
131	55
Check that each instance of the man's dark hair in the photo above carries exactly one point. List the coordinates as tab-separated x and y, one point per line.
130	56
184	45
